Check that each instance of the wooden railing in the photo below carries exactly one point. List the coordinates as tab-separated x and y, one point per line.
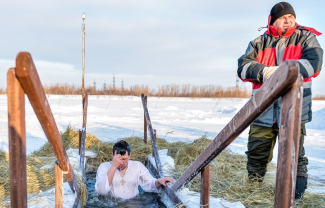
23	80
285	82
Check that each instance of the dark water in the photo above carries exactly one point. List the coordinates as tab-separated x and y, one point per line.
144	199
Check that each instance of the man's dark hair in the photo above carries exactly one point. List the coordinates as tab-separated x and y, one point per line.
121	147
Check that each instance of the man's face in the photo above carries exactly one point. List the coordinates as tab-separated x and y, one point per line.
285	22
124	160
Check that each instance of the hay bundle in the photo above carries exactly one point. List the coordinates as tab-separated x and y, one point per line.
4	177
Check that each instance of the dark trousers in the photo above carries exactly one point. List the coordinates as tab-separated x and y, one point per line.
260	146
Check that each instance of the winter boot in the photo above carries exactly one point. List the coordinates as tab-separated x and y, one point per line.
255	177
301	186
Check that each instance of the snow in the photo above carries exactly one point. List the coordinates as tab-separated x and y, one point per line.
166	161
111	118
192	200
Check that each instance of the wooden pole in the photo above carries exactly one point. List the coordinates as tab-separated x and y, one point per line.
58	186
145	125
17	141
83	63
205	187
289	137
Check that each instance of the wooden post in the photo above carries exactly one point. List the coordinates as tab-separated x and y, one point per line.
145	138
58	186
17	141
205	187
289	137
155	138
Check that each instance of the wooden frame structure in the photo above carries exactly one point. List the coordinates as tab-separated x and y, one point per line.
23	80
285	82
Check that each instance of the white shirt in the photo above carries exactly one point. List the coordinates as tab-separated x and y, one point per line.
125	187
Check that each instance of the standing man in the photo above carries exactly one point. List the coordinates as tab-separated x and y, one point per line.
122	176
283	40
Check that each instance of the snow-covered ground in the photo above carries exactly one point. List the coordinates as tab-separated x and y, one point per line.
175	119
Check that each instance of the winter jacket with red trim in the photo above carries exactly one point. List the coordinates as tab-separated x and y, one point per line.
298	43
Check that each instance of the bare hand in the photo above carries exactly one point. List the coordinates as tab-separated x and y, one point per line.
163	181
116	160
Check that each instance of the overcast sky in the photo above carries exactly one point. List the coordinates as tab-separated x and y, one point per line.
151	42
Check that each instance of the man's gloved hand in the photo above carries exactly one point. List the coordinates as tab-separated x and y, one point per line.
268	71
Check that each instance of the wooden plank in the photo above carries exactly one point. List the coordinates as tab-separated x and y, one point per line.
31	83
17	141
151	134
270	91
58	186
205	187
289	137
145	133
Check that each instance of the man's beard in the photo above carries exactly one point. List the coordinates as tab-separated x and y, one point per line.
123	167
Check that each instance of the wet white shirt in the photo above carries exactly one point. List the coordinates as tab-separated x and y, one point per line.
125	187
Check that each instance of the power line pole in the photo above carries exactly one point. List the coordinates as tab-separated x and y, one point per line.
104	88
94	84
122	84
83	16
237	81
113	81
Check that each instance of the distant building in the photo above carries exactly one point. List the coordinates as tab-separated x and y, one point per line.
104	86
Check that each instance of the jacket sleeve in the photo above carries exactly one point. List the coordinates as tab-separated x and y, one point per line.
248	68
311	60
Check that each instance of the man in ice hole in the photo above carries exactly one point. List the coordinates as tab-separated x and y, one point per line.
122	176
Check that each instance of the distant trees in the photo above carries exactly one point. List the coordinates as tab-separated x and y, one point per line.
319	97
172	90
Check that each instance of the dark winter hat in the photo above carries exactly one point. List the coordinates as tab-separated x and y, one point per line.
281	9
